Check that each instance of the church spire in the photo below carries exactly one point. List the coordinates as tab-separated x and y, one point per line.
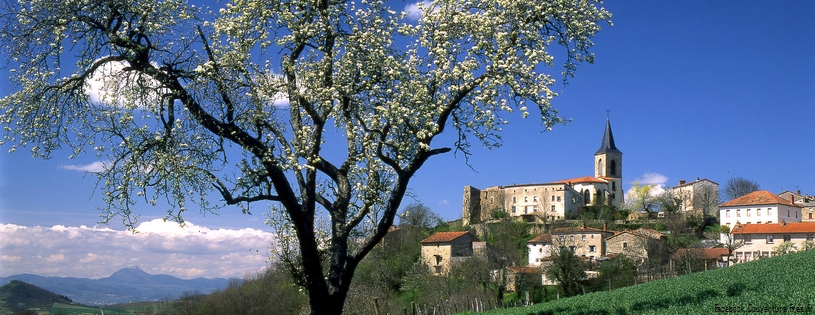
607	146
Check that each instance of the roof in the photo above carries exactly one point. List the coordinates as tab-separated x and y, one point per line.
543	238
607	145
707	253
584	179
761	197
578	229
641	232
440	237
696	181
775	228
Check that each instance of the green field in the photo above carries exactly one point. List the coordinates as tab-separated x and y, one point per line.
782	285
119	309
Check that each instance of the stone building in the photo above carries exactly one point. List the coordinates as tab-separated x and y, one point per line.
640	245
806	202
442	249
585	242
553	200
699	195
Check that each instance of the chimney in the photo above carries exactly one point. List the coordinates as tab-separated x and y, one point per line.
792	198
605	226
783	222
681	182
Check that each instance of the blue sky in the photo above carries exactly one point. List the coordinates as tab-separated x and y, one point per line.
709	89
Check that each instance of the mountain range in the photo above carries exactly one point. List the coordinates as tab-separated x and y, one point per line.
126	285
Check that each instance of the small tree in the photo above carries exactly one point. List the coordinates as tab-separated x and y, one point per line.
729	241
567	269
785	247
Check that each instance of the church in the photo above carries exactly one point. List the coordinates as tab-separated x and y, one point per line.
563	199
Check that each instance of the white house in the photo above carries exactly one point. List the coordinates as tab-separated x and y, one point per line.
540	249
761	240
758	207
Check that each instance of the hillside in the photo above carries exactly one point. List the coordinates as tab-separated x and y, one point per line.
18	296
126	285
780	284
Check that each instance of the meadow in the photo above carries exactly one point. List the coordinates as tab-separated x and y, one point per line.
783	284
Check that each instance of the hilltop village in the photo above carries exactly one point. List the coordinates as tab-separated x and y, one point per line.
580	234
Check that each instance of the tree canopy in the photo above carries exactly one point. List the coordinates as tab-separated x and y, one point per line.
181	101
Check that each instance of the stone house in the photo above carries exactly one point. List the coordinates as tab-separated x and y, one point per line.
441	249
586	242
640	245
702	194
806	202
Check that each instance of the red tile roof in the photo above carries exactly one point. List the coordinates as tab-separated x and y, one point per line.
543	238
708	253
776	228
584	179
761	197
562	230
440	237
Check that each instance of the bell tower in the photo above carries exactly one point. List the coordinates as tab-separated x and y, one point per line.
608	165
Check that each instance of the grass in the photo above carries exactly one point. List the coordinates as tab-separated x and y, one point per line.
784	284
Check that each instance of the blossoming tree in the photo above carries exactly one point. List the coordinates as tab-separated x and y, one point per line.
185	102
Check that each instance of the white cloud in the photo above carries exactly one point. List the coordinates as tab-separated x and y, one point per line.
94	167
159	247
651	179
413	11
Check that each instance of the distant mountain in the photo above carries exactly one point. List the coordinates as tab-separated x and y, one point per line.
126	285
17	296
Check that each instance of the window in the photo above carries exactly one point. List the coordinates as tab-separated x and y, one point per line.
788	212
738	213
437	269
748	212
513	209
571	237
553	208
769	211
769	239
787	238
540	250
592	236
758	212
535	198
584	237
727	214
514	199
810	215
553	198
438	259
572	248
535	208
592	249
526	199
625	245
748	239
558	198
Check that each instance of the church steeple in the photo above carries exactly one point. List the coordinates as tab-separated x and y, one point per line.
608	161
607	146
